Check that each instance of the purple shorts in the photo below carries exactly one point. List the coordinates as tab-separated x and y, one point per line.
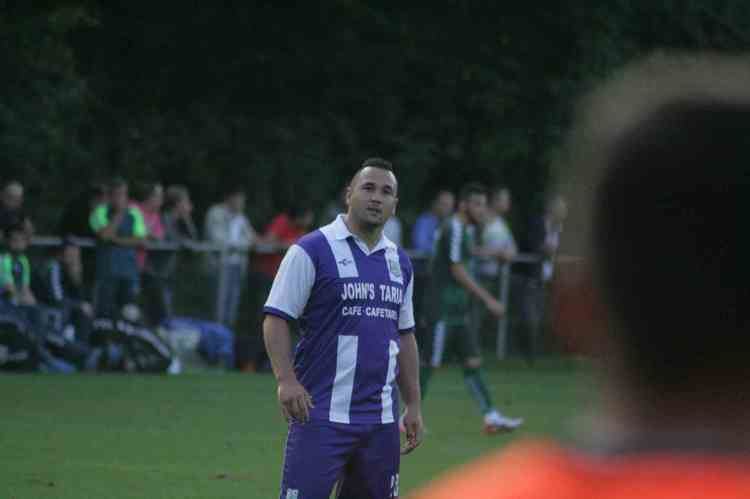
363	458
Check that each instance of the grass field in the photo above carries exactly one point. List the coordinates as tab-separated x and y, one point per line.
220	436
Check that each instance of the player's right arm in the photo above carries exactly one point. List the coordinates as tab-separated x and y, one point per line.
456	249
463	278
286	301
294	400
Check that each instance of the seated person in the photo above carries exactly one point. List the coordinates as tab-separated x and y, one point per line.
17	300
16	296
15	270
60	285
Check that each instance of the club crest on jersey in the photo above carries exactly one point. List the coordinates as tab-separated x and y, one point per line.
345	261
394	268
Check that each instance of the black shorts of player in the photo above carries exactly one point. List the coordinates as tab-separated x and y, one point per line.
448	336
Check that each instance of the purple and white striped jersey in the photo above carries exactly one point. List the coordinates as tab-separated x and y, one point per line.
352	303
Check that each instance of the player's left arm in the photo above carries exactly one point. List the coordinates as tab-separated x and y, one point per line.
408	376
408	384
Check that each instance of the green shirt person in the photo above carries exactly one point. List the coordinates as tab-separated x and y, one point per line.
15	270
120	230
451	290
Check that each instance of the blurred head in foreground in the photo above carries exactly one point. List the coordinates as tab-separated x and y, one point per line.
657	179
659	188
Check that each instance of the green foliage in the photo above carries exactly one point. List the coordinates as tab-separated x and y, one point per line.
287	101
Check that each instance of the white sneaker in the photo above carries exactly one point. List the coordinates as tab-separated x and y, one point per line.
175	367
494	423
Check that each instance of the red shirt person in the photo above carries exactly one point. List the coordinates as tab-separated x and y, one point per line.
284	231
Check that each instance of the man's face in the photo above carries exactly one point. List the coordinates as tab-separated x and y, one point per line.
444	204
13	198
559	210
156	200
17	242
475	208
236	202
503	202
119	197
372	196
185	206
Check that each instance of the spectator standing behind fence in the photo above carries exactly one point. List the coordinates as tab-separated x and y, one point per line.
151	263
423	238
227	226
120	230
179	228
498	246
151	199
427	224
12	212
543	240
282	232
61	287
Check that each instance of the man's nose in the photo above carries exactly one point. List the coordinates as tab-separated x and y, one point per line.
376	197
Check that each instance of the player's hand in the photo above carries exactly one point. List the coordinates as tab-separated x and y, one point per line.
294	400
495	307
412	420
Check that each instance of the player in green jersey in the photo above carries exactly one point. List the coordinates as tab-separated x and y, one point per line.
450	303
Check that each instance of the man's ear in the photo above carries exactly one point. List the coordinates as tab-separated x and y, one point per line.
579	317
348	195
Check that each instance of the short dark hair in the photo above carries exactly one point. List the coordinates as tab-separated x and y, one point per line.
671	252
144	190
234	189
374	162
173	195
472	189
499	190
116	183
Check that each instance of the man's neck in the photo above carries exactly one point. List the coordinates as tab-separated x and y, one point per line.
370	235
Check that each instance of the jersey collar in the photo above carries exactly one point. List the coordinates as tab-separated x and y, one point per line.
341	231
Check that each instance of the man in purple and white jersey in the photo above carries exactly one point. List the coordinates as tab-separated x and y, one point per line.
351	289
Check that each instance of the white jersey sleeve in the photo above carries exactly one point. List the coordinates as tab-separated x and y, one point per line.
406	314
292	285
